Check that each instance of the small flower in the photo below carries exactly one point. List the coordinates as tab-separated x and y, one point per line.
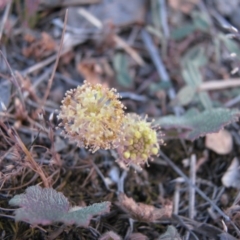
141	140
92	116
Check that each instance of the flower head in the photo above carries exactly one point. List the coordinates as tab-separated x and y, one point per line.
141	140
92	116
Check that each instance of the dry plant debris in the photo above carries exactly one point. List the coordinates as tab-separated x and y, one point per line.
183	5
176	62
39	48
231	177
143	212
220	142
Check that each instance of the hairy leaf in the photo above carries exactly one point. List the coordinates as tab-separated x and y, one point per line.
45	206
191	62
184	96
170	234
82	216
198	124
120	63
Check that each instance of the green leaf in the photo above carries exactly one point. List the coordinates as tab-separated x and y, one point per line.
155	87
45	206
201	21
198	124
170	234
193	78
120	64
184	96
196	56
82	216
230	44
192	61
182	32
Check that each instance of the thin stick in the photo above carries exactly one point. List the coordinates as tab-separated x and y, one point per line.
57	60
39	65
163	16
121	43
121	182
222	21
162	72
232	102
8	216
35	167
100	174
14	80
200	192
219	84
97	23
176	197
4	19
191	189
66	3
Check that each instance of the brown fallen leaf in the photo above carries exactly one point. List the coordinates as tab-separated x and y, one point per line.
231	177
117	12
137	236
186	6
234	213
143	212
220	142
91	71
110	236
39	48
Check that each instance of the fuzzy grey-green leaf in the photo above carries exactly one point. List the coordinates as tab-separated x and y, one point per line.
46	206
198	124
185	95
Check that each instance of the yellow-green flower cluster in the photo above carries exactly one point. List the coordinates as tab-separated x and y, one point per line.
141	140
93	117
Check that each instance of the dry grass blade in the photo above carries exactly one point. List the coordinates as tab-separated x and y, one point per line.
219	84
31	161
119	41
14	80
56	63
5	16
202	194
67	3
191	189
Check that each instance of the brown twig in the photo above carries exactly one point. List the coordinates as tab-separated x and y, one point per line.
162	72
191	189
201	193
119	41
4	19
33	164
56	63
219	84
14	80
